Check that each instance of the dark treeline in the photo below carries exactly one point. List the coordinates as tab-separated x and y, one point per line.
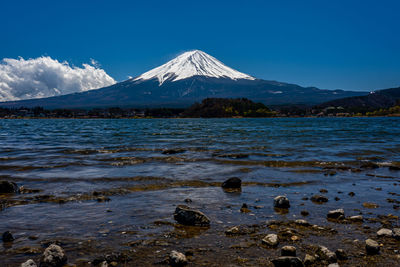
208	108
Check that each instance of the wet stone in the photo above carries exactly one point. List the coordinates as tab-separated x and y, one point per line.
352	194
334	265
372	247
370	205
356	218
239	230
29	263
319	199
173	151
270	240
245	208
288	251
396	233
188	216
341	254
302	222
281	202
8	187
336	214
385	232
369	165
177	259
309	260
233	182
326	254
287	261
7	236
53	256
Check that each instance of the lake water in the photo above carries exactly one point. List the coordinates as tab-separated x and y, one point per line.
145	167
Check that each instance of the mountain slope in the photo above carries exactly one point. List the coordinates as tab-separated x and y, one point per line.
375	100
189	78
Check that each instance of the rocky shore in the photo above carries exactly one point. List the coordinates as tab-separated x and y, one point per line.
192	238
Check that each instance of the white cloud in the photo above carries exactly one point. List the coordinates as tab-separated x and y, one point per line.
45	77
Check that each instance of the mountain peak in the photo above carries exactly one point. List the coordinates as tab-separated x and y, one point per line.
192	63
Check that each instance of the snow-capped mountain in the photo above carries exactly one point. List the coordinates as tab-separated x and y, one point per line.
188	78
189	64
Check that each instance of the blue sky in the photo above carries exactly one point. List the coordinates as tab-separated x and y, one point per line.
352	45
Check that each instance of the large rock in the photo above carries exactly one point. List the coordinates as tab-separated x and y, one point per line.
177	259
8	187
385	232
281	202
287	261
29	263
232	183
372	247
319	199
335	214
288	251
270	240
7	236
53	256
188	216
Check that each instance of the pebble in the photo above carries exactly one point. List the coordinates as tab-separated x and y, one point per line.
177	259
29	263
281	202
270	240
356	218
309	260
288	251
385	232
188	216
53	256
372	247
336	214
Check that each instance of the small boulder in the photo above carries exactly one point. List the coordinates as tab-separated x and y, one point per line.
281	202
53	256
385	232
177	259
309	260
29	263
288	251
372	247
7	236
188	216
319	199
287	261
336	214
233	183
326	254
8	187
270	240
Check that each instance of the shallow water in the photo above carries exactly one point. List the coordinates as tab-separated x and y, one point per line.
67	160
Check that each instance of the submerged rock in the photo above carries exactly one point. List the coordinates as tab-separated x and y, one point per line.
281	202
188	216
29	263
288	251
369	165
239	230
7	236
385	232
356	218
8	187
304	213
336	214
319	199
287	261
53	256
245	208
370	205
232	183
372	247
270	240
173	151
177	259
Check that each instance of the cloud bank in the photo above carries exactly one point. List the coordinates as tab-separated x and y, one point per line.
44	77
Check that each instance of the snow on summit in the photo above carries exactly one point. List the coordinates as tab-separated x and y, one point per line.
190	64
